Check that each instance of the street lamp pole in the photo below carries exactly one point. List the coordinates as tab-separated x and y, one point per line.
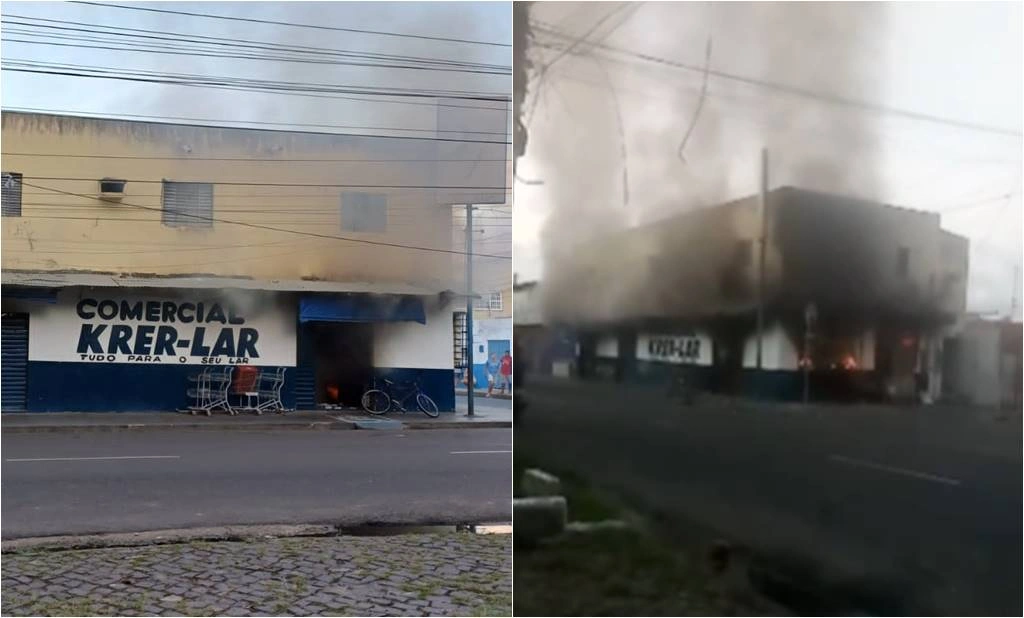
469	309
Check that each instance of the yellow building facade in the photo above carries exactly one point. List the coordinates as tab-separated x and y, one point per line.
263	183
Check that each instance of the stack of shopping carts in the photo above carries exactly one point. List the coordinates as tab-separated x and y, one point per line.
215	388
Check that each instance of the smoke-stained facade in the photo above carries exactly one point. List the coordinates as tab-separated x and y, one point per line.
886	283
191	218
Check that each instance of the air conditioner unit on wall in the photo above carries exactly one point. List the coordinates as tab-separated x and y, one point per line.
112	189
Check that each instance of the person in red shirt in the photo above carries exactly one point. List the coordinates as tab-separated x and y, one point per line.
506	372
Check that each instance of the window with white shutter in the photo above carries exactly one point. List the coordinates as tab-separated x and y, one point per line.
364	212
10	190
187	204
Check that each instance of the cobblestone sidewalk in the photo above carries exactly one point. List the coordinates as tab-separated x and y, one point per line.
405	575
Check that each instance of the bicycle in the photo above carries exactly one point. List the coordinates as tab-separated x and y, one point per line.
381	400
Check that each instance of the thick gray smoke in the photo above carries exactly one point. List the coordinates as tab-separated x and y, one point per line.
823	47
455	20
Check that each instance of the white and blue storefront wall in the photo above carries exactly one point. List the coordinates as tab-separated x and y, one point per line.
651	356
117	350
402	338
722	358
79	349
490	336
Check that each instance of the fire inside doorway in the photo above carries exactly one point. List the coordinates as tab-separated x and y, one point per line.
343	358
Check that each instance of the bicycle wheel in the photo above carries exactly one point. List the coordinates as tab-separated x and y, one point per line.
376	401
426	405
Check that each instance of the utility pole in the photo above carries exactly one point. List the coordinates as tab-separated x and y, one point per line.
1013	297
469	308
760	261
810	318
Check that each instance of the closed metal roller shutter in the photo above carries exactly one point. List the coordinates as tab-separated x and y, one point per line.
13	363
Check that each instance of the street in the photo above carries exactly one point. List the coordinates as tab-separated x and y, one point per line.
66	483
926	501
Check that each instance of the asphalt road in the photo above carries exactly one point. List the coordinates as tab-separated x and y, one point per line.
925	503
62	483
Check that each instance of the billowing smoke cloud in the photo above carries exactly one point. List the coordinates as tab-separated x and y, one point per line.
574	140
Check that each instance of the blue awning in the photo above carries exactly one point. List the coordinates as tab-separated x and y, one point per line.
359	308
42	295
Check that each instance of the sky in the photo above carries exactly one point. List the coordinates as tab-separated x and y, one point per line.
480	21
962	61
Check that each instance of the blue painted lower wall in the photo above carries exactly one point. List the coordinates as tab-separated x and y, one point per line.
118	387
768	384
436	383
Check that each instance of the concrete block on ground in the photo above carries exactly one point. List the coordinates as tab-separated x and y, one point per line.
537	482
538	518
589	527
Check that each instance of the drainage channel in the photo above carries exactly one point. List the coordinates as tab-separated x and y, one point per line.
397	529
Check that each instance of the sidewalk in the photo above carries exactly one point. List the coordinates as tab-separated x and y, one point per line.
54	422
482	394
444	574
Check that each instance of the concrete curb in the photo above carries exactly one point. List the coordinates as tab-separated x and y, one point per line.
458	425
163	537
242	532
315	425
312	426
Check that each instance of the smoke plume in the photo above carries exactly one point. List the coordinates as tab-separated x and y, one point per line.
820	47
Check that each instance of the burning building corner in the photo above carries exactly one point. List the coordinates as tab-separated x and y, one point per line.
861	295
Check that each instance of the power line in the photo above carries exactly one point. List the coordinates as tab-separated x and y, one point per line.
212	47
253	83
186	52
282	230
223	261
579	40
150	251
313	197
281	184
297	25
338	126
154	243
246	200
173	249
972	205
251	159
746	118
289	221
177	38
243	87
121	116
397	137
270	209
250	88
795	90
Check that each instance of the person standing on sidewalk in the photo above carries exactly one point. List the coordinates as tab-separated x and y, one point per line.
506	372
492	368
